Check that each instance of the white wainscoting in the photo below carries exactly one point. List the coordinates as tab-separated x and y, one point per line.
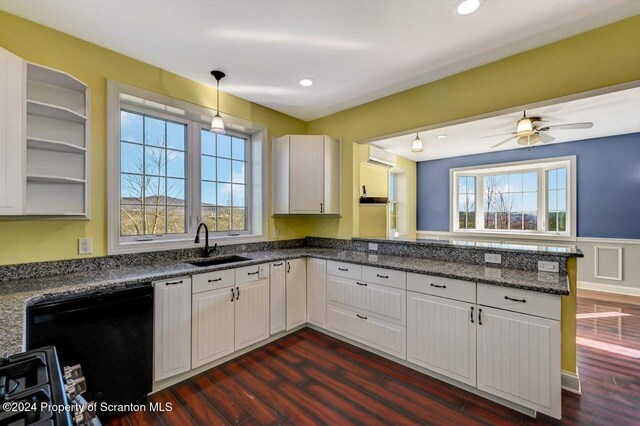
610	265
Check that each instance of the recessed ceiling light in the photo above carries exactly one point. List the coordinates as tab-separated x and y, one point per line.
441	136
306	82
467	7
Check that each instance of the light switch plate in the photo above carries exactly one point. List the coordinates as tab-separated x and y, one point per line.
492	258
548	266
85	245
373	246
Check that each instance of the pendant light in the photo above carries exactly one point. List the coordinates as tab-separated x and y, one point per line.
217	124
416	146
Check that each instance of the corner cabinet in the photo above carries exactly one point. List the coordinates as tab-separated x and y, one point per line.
44	117
307	175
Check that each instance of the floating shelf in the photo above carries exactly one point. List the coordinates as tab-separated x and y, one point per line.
53	145
54	179
54	77
53	111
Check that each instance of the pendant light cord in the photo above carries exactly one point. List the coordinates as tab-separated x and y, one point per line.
218	96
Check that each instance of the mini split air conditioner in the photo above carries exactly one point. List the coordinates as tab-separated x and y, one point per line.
381	157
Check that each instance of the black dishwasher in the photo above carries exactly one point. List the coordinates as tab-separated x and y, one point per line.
110	333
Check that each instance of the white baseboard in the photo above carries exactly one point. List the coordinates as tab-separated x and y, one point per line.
571	382
609	288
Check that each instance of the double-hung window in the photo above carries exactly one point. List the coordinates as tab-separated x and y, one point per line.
520	199
168	172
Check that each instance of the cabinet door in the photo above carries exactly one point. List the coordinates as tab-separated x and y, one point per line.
11	133
278	292
172	327
306	174
441	336
212	325
519	359
317	292
252	313
296	292
332	176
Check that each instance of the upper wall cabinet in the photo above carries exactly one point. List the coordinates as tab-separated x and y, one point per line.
45	112
307	175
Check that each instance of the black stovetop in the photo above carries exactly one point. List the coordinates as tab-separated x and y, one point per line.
30	384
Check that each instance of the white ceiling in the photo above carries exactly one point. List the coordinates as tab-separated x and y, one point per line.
355	50
614	113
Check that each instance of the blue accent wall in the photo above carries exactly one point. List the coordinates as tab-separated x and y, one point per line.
608	191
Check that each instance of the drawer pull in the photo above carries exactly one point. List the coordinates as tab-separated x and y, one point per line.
343	269
361	317
472	315
515	300
382	276
480	316
174	282
438	286
278	264
253	273
233	295
215	280
362	284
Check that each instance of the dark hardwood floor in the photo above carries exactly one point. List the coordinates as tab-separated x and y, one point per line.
310	378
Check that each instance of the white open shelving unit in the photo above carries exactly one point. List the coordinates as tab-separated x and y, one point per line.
56	144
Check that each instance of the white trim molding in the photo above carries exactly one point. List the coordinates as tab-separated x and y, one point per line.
571	382
609	288
596	262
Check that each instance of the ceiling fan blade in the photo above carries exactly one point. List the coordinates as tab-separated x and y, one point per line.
504	141
570	126
501	134
546	138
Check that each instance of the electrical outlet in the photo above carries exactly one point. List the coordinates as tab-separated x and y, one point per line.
492	258
373	246
548	266
85	245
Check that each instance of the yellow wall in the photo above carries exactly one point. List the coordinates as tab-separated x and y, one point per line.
595	59
568	320
375	178
29	241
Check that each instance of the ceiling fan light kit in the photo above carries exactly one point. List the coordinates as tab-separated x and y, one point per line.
532	130
217	124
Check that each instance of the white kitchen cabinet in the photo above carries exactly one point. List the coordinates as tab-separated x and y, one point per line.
251	313
317	292
213	325
296	283
172	327
307	175
44	141
278	314
519	359
441	336
11	133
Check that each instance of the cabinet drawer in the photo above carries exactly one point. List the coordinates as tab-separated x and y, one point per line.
381	301
378	334
346	270
248	274
443	287
527	302
213	280
397	279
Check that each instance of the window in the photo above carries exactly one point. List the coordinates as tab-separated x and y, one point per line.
223	181
393	202
168	173
152	175
523	198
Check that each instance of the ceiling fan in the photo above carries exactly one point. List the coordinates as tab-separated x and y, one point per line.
532	130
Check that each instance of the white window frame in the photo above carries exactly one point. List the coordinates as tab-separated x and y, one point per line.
541	166
197	117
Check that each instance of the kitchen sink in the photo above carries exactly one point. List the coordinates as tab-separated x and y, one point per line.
219	261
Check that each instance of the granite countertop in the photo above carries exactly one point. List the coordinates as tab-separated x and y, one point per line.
16	295
559	250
